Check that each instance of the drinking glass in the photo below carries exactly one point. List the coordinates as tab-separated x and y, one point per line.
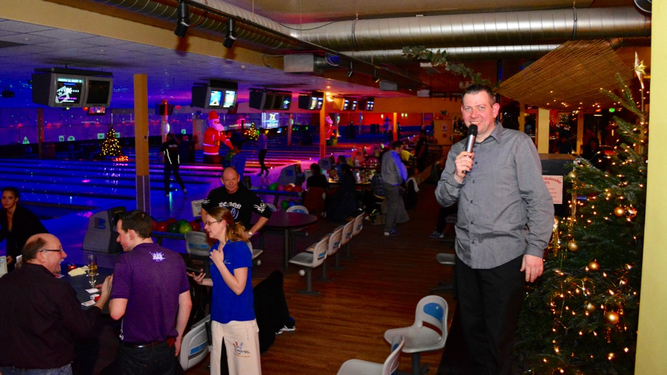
91	262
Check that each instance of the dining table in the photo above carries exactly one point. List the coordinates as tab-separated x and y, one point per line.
286	222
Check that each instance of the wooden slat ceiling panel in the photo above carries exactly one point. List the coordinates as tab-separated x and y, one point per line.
570	77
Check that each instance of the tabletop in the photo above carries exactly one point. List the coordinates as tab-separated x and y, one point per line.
286	220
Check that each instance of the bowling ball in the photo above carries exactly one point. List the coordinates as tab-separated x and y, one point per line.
292	203
172	228
280	188
184	228
154	224
289	187
162	226
284	205
195	225
171	220
273	186
298	189
182	221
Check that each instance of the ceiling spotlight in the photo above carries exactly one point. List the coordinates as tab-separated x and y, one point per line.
183	19
350	69
376	78
230	37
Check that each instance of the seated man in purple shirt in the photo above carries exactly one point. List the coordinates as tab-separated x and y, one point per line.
151	293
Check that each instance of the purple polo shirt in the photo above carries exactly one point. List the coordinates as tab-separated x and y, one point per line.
151	278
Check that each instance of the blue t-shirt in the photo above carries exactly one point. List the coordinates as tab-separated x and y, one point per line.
227	305
151	278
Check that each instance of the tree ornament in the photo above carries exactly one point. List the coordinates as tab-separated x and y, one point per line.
619	211
590	307
572	246
630	213
612	317
572	175
593	266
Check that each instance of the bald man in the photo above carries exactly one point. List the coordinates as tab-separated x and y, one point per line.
40	316
239	200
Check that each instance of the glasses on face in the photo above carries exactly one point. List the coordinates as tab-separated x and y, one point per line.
54	250
209	223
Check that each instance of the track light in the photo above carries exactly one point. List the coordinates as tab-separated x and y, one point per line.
183	19
350	69
375	75
230	37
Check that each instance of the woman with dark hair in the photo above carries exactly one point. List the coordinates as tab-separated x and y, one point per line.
343	203
232	307
317	179
17	224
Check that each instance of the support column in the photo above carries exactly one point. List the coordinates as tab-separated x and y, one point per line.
289	128
143	183
522	118
542	131
395	133
40	130
323	130
652	340
580	133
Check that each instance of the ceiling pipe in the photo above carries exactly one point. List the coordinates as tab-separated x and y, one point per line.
479	29
459	53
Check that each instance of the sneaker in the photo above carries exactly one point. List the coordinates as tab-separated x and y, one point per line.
437	234
286	329
392	232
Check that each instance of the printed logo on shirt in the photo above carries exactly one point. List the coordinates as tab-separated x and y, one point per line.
261	207
158	257
239	351
233	207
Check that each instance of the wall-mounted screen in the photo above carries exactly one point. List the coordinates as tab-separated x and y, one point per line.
221	95
98	91
230	99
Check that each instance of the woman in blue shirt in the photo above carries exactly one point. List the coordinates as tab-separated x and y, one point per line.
232	307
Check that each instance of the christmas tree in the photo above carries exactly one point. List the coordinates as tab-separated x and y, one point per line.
252	133
582	315
110	145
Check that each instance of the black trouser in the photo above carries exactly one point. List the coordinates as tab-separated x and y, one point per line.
155	360
489	302
262	156
168	169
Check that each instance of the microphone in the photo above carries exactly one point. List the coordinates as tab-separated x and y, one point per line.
472	134
470	141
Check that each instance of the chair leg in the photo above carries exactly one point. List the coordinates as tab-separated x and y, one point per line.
417	369
324	273
337	264
347	252
309	284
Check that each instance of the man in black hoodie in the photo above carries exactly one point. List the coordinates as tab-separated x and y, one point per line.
171	162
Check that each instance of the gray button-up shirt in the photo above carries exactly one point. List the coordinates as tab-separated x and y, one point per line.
505	209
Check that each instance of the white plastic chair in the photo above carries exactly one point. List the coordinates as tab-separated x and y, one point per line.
333	247
309	260
255	253
298	208
421	337
358	224
271	207
196	207
348	229
449	260
194	345
196	244
360	367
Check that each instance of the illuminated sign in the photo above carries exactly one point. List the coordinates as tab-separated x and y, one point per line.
61	138
100	135
270	120
71	138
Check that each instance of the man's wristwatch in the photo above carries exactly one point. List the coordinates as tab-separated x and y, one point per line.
250	233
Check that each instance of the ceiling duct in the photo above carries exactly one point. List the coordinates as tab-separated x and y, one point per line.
479	29
305	63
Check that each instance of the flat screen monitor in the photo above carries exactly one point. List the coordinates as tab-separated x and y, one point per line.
367	104
230	99
58	89
353	105
215	98
98	91
346	104
257	99
286	102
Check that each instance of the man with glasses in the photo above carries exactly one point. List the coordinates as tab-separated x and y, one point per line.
151	294
239	200
40	316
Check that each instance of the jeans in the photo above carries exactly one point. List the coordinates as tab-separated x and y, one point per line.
65	370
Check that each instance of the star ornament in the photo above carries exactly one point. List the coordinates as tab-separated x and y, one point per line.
640	70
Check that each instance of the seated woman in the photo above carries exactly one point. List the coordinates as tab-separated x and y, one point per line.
317	187
17	224
343	202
